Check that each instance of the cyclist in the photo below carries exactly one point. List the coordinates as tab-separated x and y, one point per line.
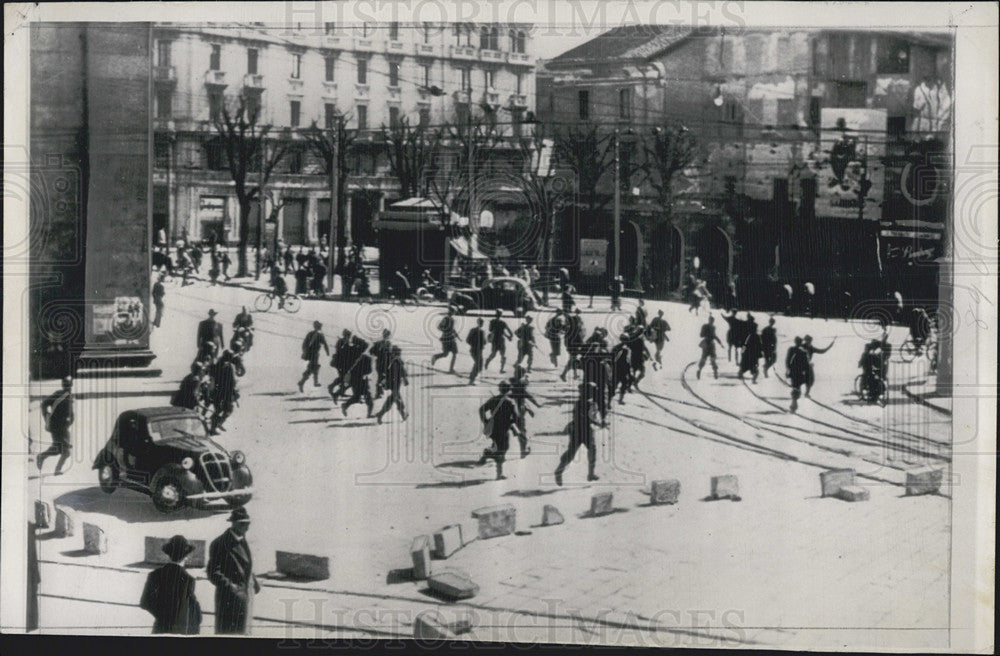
279	287
920	327
872	380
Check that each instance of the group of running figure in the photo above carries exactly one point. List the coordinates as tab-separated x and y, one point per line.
605	371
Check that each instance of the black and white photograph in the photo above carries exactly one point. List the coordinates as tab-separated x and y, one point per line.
640	324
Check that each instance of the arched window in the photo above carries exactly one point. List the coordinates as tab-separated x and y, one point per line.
484	37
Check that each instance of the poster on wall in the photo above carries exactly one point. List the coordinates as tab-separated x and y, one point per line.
593	257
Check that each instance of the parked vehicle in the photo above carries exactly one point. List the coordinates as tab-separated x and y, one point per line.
166	452
496	294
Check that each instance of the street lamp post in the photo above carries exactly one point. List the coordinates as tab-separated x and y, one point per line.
260	207
618	209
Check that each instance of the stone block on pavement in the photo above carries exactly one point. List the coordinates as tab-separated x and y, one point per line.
453	584
431	625
154	552
668	491
65	522
447	541
600	504
302	566
551	516
725	487
853	493
420	551
832	480
43	514
94	539
495	521
924	480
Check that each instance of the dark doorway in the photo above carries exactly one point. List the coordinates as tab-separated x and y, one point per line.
364	207
667	257
323	221
293	222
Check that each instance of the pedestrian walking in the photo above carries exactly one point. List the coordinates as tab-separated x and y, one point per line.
210	332
313	342
449	339
302	281
521	396
288	259
797	370
641	316
617	288
357	377
769	345
566	292
230	570
752	350
225	261
656	332
169	592
499	417
499	333
555	327
621	369
574	343
807	346
340	362
581	433
525	334
597	369
319	279
158	293
58	415
476	339
707	345
395	375
225	393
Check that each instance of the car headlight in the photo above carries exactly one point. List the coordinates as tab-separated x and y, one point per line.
187	463
238	457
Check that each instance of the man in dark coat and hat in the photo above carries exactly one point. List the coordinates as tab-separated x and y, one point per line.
230	569
210	330
169	592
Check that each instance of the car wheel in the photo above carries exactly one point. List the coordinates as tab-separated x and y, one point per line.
168	495
107	478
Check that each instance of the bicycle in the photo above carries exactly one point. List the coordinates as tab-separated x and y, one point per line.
909	351
262	303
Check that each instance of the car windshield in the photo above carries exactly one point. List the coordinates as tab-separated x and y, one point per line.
171	427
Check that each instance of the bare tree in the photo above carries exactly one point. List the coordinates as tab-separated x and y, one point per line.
249	159
330	145
591	156
411	151
475	136
669	150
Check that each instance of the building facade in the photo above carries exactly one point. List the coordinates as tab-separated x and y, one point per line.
375	74
763	105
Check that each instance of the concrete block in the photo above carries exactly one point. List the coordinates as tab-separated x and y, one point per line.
447	541
65	522
94	539
43	514
668	491
832	480
551	516
420	551
431	625
495	521
853	493
725	487
600	504
302	566
924	480
154	552
453	584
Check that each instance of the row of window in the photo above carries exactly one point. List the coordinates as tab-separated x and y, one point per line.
465	34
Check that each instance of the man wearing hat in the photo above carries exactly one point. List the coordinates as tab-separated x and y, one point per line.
169	593
210	330
230	569
57	411
311	345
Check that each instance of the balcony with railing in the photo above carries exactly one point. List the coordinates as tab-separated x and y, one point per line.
518	100
464	52
425	50
521	58
337	41
253	81
491	55
166	75
365	45
395	47
215	78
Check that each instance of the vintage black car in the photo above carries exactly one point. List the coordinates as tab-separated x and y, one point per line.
166	452
496	294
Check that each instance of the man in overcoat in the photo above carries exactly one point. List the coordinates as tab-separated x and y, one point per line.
169	592
230	569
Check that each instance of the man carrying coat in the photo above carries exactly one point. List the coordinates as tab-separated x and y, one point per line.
230	569
169	592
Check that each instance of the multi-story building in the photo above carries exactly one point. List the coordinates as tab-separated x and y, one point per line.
375	74
763	105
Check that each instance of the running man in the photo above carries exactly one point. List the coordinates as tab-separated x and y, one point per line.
499	334
752	349
449	340
574	343
525	334
57	412
707	345
555	327
311	345
797	370
521	396
581	433
769	344
656	332
499	417
382	351
395	375
357	377
476	339
807	346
